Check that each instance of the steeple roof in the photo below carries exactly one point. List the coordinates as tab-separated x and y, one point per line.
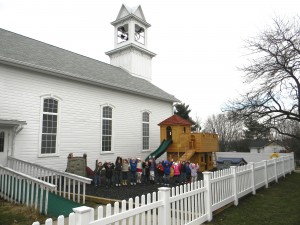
176	120
127	12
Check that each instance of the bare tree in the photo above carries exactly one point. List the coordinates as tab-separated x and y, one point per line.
228	130
274	75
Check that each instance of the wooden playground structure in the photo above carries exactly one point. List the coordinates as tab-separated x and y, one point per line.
189	146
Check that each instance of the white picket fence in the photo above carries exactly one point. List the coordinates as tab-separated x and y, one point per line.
18	187
67	183
187	204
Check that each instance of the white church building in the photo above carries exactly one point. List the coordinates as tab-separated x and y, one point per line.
54	102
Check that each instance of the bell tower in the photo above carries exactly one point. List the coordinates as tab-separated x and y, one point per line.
130	43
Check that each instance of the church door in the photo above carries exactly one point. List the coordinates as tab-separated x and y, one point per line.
3	146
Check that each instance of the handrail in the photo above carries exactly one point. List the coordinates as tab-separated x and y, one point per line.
64	181
66	174
21	188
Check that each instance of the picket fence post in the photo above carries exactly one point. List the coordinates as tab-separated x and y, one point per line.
83	215
266	173
208	195
234	185
275	170
164	213
252	178
283	167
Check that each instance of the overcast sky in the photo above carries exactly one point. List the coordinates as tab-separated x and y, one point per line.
199	44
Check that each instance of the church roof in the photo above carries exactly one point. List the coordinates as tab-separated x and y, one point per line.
21	51
176	120
260	143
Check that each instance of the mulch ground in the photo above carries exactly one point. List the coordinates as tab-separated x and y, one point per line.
121	192
125	192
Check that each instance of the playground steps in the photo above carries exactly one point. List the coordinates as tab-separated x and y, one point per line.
186	156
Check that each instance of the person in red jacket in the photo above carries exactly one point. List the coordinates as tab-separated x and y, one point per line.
176	166
160	173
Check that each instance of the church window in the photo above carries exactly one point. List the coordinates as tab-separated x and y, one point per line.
49	126
146	130
122	33
107	128
139	34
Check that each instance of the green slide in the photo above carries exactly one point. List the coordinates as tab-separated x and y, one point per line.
160	150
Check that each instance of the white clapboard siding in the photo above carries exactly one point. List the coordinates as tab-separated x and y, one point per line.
80	123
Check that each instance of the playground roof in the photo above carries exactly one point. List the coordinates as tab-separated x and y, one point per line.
176	120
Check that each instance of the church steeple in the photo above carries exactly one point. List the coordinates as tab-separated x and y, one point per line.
130	43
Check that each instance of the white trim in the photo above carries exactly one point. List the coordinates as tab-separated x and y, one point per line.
56	154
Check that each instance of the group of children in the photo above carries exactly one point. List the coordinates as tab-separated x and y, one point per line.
135	171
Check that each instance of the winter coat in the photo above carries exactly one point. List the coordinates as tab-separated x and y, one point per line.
133	165
194	170
118	165
146	169
98	169
182	167
125	166
176	169
152	165
167	167
109	170
187	169
160	169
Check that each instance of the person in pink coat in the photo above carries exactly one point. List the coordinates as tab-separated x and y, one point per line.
176	166
194	171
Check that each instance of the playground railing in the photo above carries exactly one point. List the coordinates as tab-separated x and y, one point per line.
19	188
68	184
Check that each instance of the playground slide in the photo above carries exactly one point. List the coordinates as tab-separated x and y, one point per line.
160	150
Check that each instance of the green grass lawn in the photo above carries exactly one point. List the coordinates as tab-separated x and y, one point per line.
14	214
279	204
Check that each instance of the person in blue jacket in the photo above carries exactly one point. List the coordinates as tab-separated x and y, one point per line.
167	170
188	171
133	165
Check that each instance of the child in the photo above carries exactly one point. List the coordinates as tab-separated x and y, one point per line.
194	169
139	171
176	167
167	170
97	174
152	165
133	164
108	173
188	172
125	169
146	172
159	172
118	169
183	172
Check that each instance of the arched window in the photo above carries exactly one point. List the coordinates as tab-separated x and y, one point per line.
146	130
49	134
107	128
